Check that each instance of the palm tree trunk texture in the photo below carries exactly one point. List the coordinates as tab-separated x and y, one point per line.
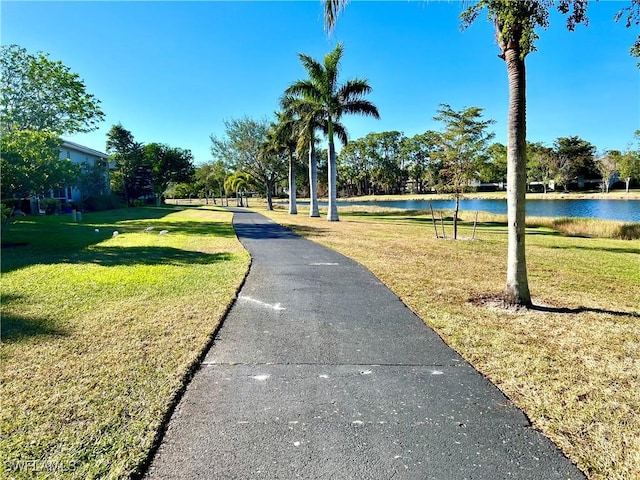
293	207
313	182
332	208
517	286
332	212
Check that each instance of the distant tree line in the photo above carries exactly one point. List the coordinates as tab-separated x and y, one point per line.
393	163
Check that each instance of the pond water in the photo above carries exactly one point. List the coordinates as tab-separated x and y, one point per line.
625	210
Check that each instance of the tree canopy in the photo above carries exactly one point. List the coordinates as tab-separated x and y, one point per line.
244	148
30	164
44	95
168	164
462	149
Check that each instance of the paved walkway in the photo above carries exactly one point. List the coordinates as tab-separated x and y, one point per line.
319	371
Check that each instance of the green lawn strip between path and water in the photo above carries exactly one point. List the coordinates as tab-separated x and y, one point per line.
100	329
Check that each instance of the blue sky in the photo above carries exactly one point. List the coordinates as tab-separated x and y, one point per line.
171	72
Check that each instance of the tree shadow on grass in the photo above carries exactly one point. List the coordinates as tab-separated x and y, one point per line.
264	231
124	256
128	256
184	227
497	302
49	242
548	309
15	327
597	249
393	213
308	231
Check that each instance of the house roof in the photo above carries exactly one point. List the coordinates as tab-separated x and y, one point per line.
81	148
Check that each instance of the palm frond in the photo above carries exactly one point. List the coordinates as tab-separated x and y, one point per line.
340	131
304	89
314	69
361	107
353	89
332	68
332	8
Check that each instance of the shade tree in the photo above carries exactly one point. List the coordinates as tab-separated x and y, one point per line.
541	164
608	164
134	176
40	94
30	164
389	172
495	168
418	159
629	162
244	148
41	100
355	167
461	149
211	177
167	164
574	160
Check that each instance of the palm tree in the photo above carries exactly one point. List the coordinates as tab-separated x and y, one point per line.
283	138
322	97
307	119
515	23
239	182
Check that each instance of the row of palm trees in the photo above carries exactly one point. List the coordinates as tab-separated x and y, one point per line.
318	103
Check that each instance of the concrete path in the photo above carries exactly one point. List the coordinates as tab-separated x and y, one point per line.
319	371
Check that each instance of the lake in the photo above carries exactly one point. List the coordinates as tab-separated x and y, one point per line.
625	210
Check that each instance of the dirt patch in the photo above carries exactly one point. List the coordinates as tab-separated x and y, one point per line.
497	303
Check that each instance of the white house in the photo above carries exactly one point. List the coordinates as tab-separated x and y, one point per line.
87	158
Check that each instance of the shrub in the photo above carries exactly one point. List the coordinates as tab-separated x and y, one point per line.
5	212
628	231
50	205
589	227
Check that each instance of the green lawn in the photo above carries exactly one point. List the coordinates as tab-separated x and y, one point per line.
572	364
99	332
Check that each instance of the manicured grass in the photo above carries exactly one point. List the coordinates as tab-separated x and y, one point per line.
100	332
572	364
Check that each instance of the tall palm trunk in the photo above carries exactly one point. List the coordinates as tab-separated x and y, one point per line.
517	287
293	206
313	181
332	212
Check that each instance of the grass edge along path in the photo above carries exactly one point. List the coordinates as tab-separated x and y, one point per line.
102	331
573	365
